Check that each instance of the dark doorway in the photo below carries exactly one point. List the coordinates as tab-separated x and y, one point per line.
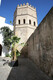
0	49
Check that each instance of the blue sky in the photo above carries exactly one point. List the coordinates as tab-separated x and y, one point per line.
8	7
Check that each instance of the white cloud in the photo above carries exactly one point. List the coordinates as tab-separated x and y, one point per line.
0	2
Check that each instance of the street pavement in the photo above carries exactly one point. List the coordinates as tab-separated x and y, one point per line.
26	70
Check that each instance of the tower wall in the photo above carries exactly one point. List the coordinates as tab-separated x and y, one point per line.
24	29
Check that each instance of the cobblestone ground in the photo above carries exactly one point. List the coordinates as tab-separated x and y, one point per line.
26	70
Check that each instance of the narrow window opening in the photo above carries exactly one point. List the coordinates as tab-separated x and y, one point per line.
34	23
24	21
29	21
18	21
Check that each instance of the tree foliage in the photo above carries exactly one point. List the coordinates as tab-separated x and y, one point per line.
7	34
9	40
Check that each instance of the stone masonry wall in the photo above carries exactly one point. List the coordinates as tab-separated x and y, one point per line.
40	44
25	22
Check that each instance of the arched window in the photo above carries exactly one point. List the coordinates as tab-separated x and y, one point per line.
24	21
34	23
18	21
29	21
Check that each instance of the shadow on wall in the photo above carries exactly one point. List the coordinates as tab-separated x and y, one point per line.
40	45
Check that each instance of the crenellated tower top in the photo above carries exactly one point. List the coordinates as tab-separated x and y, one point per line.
26	12
25	5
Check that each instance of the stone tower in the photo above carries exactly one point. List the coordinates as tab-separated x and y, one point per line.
25	21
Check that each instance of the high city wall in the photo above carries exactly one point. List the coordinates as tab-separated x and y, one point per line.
40	44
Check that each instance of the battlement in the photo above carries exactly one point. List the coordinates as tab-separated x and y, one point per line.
26	5
25	8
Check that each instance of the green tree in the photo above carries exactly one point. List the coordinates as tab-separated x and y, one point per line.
13	41
9	40
7	34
